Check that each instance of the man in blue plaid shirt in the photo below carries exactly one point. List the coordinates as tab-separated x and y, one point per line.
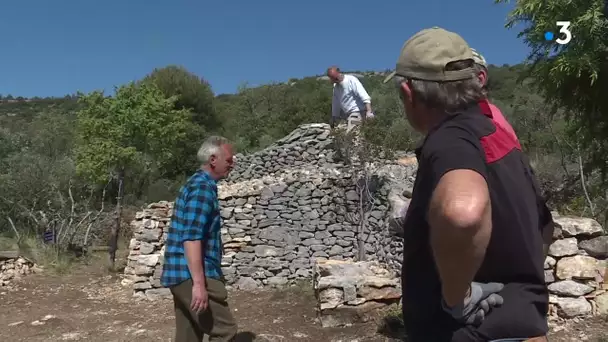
193	251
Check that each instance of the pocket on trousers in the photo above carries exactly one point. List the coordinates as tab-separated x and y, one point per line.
217	290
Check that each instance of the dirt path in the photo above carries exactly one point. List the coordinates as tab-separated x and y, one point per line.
90	305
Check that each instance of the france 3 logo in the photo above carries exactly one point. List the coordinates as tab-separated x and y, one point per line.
564	35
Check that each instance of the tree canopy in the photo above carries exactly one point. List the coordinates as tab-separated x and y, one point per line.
138	127
572	77
192	92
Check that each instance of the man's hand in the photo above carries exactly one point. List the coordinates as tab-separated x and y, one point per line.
478	303
369	115
200	298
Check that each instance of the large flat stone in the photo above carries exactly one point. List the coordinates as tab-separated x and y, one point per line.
564	247
344	315
596	247
570	288
572	226
579	267
347	291
573	307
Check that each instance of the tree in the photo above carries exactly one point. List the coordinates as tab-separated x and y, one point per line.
572	76
359	150
193	93
137	127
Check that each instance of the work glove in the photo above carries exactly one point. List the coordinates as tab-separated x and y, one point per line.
476	306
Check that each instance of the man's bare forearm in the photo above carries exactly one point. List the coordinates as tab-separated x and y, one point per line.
194	257
368	107
460	233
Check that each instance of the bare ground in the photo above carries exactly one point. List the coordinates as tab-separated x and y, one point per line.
89	304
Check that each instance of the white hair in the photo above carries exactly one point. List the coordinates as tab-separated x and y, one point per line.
210	147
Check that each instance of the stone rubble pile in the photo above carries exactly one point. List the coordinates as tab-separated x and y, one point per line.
348	292
15	268
575	268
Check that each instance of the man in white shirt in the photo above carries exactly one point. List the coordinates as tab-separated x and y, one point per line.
350	100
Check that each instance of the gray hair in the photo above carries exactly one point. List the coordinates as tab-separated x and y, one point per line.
210	147
479	68
447	96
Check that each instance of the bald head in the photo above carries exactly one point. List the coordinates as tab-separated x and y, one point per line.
334	74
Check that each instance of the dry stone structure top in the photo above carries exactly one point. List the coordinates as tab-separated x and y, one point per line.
292	205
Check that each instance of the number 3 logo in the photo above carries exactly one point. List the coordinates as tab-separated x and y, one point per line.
564	27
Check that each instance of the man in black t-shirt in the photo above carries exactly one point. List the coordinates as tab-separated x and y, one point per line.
473	243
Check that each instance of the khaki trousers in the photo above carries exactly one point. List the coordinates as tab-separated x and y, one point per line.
350	121
217	321
353	120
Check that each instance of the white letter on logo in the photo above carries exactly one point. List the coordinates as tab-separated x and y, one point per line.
564	28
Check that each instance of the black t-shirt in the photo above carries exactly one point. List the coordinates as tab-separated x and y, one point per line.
470	140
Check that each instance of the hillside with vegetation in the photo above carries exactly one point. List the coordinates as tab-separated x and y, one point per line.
62	158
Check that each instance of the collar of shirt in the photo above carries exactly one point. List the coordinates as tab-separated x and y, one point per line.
472	109
204	175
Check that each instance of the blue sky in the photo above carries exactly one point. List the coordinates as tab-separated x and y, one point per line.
53	48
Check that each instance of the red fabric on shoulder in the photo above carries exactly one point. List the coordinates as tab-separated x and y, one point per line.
498	144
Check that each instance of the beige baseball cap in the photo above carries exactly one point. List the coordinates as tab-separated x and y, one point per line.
479	59
426	54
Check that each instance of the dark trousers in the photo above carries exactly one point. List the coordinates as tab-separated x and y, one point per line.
217	321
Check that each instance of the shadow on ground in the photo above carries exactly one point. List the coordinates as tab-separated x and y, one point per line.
245	336
391	326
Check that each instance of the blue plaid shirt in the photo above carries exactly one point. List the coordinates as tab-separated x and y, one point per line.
196	216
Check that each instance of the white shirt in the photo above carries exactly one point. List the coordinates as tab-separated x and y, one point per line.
349	96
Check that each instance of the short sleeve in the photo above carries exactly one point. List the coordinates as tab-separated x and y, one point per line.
199	206
453	148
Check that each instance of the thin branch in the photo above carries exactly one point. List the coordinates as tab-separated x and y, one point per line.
582	174
73	204
75	228
91	192
14	229
70	218
86	235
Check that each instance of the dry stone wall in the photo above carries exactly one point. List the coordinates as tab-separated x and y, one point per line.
575	268
347	292
282	208
288	206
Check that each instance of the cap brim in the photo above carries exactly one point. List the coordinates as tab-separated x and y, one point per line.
390	77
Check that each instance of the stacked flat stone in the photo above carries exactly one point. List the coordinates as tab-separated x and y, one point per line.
575	268
348	292
308	145
15	268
